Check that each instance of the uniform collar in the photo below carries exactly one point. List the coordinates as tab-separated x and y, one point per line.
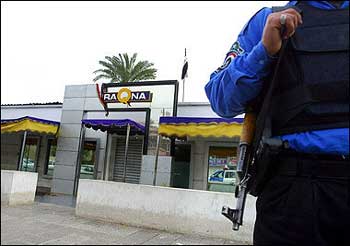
322	4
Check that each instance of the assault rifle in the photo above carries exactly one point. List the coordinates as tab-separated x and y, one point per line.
246	169
256	147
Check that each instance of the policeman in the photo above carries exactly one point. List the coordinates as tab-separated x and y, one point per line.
306	199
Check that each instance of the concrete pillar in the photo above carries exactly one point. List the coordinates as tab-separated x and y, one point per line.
68	139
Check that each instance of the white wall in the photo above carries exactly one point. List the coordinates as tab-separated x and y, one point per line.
18	187
48	112
170	209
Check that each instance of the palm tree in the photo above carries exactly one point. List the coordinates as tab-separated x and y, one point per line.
124	69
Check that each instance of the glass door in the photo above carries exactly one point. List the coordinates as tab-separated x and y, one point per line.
29	162
89	159
51	157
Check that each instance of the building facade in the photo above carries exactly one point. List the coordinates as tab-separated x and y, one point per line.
123	146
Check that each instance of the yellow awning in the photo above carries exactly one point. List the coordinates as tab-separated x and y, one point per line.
31	124
199	127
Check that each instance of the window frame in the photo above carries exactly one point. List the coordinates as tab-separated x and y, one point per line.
36	160
48	150
97	156
208	144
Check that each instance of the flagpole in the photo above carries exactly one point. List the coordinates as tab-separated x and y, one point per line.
183	90
184	75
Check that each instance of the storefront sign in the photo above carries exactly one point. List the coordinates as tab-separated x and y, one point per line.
126	96
139	95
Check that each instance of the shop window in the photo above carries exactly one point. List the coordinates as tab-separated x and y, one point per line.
222	168
87	168
51	157
30	155
164	145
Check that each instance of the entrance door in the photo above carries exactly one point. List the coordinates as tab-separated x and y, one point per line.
30	155
134	159
181	166
89	160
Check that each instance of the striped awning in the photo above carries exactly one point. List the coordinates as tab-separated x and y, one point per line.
29	123
199	127
115	126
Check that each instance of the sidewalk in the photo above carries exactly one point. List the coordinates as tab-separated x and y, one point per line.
50	224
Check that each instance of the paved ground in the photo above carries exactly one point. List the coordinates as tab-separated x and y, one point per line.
52	224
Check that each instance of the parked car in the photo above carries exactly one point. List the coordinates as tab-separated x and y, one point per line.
87	169
51	164
28	164
223	177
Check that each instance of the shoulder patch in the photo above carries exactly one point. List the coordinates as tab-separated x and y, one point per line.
236	48
234	51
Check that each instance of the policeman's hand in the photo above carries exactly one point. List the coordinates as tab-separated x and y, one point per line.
271	37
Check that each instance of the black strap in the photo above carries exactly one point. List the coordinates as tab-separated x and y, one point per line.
263	122
263	126
264	114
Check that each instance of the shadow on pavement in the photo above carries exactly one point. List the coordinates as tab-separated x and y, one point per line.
45	196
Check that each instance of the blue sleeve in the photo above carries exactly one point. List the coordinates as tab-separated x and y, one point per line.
240	78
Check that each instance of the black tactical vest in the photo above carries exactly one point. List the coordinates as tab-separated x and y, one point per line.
313	79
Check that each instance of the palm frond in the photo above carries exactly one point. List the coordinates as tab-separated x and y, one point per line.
122	68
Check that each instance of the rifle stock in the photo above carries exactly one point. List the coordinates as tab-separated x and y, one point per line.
245	143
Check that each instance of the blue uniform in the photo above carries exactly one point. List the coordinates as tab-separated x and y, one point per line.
241	76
